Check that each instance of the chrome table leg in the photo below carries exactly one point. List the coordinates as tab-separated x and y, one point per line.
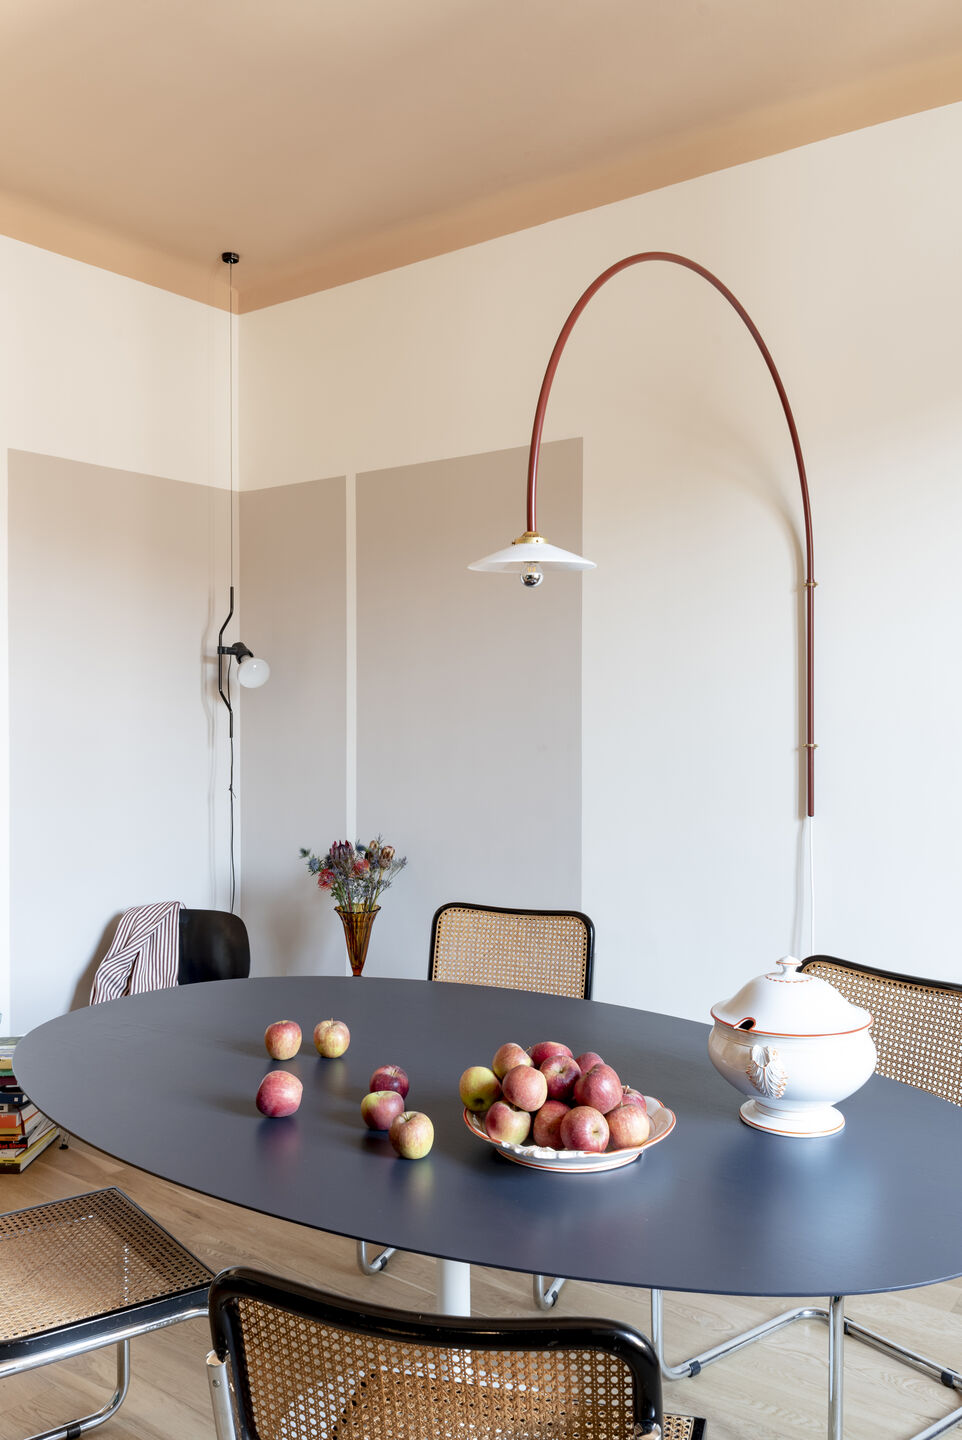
454	1287
546	1294
375	1266
687	1368
836	1337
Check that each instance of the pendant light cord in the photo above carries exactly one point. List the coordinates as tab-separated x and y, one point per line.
230	260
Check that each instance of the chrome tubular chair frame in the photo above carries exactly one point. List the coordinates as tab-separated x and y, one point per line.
120	1275
282	1349
889	996
549	936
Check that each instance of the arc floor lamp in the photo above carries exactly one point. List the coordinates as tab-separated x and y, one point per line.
530	555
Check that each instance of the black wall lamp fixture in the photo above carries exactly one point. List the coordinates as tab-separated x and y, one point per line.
252	672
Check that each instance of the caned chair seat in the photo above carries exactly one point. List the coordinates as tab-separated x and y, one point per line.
291	1363
90	1271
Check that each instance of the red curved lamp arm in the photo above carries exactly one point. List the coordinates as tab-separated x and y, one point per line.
535	451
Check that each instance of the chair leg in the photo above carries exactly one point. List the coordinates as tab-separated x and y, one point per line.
546	1296
218	1382
89	1422
375	1266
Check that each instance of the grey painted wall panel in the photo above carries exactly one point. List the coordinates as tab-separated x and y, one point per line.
469	693
292	780
117	587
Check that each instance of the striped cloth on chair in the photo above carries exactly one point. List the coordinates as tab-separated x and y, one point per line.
143	955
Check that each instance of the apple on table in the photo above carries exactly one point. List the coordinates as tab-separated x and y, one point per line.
412	1134
381	1108
282	1039
331	1038
278	1094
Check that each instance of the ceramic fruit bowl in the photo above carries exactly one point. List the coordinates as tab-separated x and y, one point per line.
795	1046
579	1162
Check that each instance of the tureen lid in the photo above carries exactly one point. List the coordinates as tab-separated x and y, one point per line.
785	1002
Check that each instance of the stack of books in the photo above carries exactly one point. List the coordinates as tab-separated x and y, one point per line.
24	1132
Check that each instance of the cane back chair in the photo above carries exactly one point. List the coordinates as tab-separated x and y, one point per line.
86	1272
292	1363
547	951
917	1029
916	1024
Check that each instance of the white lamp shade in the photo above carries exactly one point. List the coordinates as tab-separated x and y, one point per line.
253	672
514	559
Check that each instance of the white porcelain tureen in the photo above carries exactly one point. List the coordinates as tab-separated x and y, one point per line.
795	1046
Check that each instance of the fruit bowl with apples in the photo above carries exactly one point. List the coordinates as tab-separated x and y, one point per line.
547	1108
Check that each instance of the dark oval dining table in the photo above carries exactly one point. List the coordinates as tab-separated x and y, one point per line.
166	1081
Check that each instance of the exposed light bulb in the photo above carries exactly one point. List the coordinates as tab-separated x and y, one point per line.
531	575
253	672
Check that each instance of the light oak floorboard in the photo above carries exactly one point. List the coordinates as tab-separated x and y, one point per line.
775	1390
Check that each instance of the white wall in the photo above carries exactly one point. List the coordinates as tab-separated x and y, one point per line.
846	254
104	370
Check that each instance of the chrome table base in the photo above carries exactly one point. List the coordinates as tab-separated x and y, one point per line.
838	1327
375	1266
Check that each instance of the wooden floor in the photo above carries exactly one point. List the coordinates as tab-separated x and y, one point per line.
775	1390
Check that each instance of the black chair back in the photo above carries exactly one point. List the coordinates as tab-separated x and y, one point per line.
214	945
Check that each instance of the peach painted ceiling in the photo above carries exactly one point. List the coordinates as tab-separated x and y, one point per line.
330	139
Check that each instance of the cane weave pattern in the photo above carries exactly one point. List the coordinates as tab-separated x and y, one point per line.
85	1257
917	1028
683	1427
305	1380
544	953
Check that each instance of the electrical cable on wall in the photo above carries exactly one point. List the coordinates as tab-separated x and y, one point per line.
251	671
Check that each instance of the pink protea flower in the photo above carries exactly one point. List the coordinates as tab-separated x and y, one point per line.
326	879
362	866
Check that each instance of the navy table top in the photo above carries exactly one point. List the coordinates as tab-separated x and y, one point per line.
166	1081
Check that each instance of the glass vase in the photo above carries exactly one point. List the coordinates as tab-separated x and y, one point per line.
357	933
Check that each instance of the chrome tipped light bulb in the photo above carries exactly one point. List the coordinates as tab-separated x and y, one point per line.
531	575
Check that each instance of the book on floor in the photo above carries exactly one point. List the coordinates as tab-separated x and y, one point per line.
25	1157
19	1140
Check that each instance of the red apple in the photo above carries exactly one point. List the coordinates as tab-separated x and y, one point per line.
584	1128
628	1124
390	1077
279	1093
411	1134
547	1124
506	1124
586	1061
600	1088
635	1096
545	1049
283	1039
479	1087
332	1037
508	1057
525	1087
380	1108
561	1072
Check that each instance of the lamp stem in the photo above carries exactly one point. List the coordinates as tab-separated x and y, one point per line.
810	582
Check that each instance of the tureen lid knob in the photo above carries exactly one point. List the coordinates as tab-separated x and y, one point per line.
788	964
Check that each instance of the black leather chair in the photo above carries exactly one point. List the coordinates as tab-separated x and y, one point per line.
214	945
